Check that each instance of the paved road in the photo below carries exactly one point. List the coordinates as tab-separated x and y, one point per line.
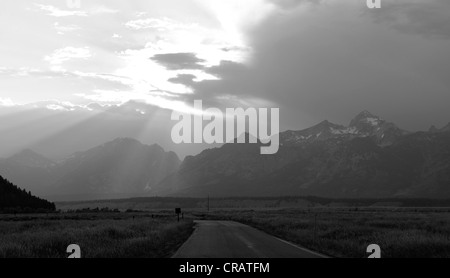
227	239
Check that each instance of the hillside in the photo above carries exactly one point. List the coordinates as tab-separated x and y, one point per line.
120	168
12	197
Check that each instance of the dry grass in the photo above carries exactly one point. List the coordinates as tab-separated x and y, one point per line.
347	233
112	235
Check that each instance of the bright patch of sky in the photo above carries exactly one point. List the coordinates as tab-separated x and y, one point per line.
102	50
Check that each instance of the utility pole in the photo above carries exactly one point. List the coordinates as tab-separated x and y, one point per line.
315	229
208	203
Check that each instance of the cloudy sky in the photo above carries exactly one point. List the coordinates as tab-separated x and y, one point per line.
314	59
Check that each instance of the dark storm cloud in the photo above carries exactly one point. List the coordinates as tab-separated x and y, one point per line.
429	18
179	61
232	79
331	62
185	79
227	69
235	82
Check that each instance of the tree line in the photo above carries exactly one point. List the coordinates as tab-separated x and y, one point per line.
12	198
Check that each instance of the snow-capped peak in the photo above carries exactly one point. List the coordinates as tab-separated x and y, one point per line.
364	124
365	117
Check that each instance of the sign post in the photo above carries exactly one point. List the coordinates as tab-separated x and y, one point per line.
178	211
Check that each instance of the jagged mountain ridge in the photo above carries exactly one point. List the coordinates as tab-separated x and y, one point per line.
446	128
369	158
363	125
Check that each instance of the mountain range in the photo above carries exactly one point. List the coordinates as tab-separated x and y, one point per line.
369	158
120	168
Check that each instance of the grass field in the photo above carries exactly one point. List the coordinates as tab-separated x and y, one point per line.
409	233
334	231
104	235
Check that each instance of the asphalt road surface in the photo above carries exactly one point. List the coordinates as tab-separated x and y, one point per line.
227	239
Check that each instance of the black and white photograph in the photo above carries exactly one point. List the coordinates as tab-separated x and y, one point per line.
183	131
